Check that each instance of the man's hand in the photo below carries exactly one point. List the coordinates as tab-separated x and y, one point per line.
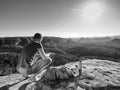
50	53
32	77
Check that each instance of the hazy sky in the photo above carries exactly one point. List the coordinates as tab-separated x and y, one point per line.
64	18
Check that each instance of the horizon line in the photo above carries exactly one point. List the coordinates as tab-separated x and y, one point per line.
60	36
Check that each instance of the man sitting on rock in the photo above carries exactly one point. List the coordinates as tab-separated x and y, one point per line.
33	58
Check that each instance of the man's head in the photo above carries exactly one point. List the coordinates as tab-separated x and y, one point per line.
37	37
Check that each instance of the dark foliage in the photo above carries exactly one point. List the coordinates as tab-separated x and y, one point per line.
23	41
65	50
94	51
61	59
8	63
54	50
16	49
8	41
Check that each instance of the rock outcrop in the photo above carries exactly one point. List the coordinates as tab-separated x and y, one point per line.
100	75
52	77
96	75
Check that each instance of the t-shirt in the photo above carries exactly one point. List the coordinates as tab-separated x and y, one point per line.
28	53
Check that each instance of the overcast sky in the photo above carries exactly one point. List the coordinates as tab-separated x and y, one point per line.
61	18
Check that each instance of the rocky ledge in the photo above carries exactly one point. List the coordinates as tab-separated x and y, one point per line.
96	75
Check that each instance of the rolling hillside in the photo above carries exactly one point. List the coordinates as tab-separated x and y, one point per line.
65	49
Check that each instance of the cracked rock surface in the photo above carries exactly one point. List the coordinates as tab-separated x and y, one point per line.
96	75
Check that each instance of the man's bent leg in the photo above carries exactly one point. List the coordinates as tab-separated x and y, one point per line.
23	71
40	64
39	68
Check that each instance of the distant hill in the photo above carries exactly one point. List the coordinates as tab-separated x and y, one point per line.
91	40
114	43
59	41
117	36
116	40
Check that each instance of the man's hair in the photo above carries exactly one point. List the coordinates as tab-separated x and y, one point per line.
37	36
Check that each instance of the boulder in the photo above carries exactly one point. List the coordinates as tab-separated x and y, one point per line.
52	77
95	75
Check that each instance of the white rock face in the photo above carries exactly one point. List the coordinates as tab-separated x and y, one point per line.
10	79
95	74
100	73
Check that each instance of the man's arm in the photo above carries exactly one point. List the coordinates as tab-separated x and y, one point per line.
43	54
